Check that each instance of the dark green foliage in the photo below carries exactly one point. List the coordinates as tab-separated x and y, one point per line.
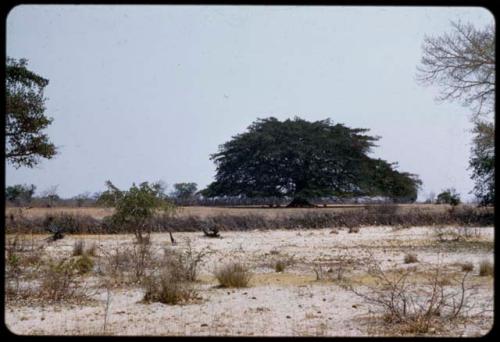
482	162
24	116
20	193
184	191
449	196
303	160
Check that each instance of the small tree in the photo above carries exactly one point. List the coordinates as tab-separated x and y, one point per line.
449	196
51	195
20	193
184	191
82	198
136	207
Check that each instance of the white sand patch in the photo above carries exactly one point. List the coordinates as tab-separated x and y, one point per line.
287	304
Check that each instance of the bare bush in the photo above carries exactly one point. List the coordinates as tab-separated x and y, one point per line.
59	281
185	263
415	307
167	288
233	275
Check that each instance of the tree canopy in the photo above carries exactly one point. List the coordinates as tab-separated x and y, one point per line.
184	191
25	120
462	63
301	159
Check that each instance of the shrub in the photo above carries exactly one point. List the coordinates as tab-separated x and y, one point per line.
486	268
467	267
233	275
414	307
184	264
78	248
92	250
411	258
59	281
141	258
84	264
136	207
167	288
279	266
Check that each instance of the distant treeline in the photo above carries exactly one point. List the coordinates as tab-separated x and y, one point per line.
44	202
379	215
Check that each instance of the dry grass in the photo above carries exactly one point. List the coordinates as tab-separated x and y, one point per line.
59	281
167	288
95	220
233	275
78	248
486	268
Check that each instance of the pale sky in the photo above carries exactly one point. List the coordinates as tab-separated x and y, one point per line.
146	93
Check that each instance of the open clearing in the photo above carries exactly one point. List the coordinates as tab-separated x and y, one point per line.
289	303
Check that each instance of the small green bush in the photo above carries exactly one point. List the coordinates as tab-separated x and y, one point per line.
233	275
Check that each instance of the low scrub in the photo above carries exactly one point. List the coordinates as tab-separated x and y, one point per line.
486	268
412	307
59	281
376	215
233	275
467	267
78	248
167	288
411	258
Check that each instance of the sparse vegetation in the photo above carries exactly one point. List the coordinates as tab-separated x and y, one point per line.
410	258
59	281
83	264
78	248
467	267
416	308
167	288
279	266
486	268
233	275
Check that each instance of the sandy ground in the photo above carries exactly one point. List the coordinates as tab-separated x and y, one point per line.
291	303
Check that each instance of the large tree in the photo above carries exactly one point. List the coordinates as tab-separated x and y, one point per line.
301	159
462	64
25	120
